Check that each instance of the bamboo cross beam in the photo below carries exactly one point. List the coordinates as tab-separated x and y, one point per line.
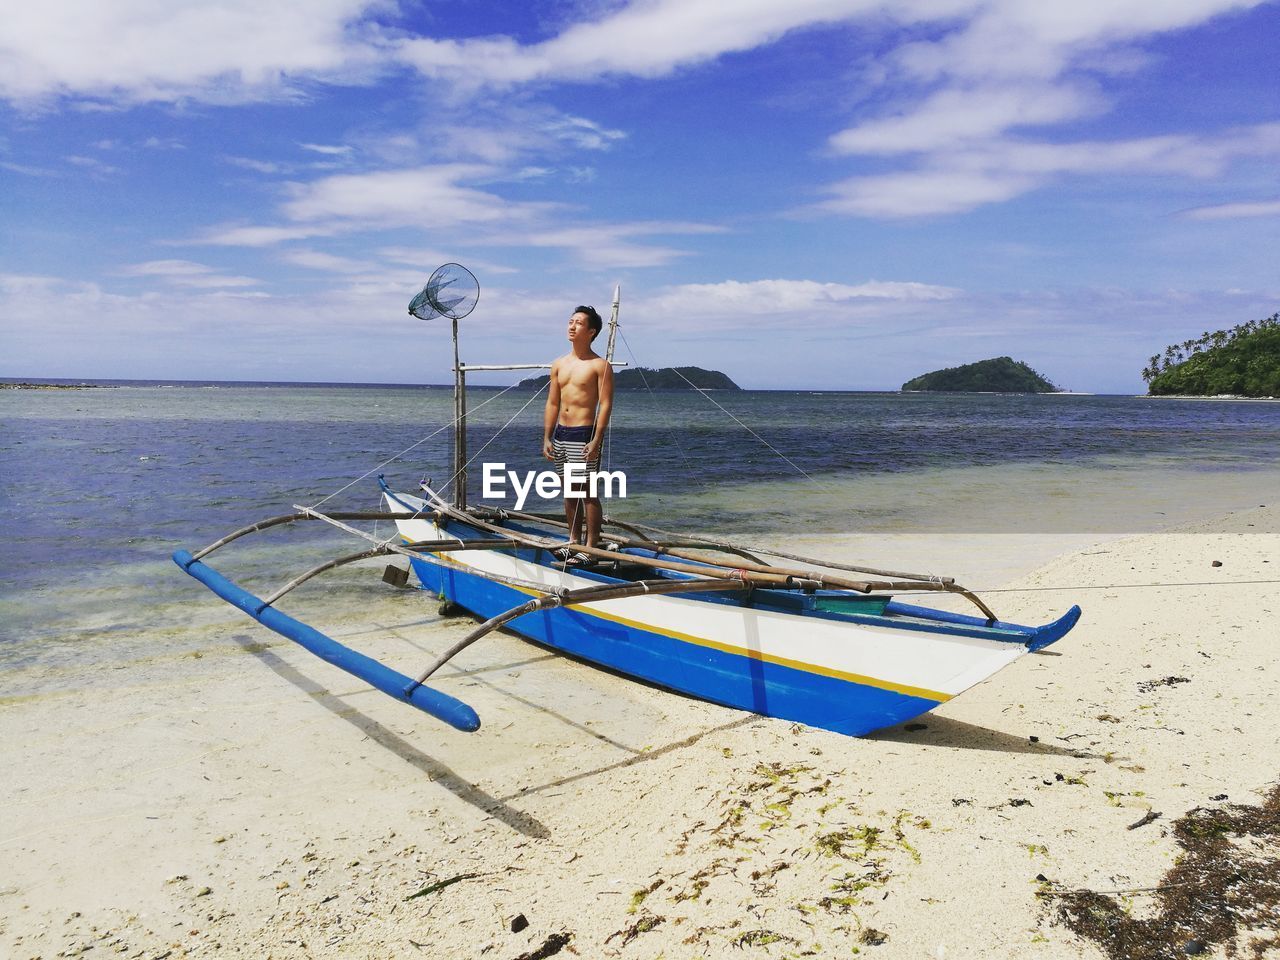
566	598
644	541
382	549
378	551
303	514
768	551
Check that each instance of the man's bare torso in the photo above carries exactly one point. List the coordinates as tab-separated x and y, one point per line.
579	382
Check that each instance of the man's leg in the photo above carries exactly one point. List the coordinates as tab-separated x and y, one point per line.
594	515
573	517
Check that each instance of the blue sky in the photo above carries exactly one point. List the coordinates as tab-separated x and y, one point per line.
809	194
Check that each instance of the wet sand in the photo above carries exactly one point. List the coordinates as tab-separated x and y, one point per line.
247	798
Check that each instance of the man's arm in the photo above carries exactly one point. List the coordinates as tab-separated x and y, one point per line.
552	411
604	407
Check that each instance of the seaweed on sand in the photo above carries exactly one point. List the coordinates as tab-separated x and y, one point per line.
646	923
550	947
1224	889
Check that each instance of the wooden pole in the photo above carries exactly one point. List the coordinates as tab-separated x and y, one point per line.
459	427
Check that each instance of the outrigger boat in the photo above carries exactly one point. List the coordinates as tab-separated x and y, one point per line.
822	643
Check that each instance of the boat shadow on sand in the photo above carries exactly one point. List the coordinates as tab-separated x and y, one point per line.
438	772
934	730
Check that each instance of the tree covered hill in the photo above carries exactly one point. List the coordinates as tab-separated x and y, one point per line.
1243	361
664	378
997	375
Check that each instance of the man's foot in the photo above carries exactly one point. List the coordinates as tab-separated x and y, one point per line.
570	554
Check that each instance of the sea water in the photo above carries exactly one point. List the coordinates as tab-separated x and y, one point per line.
99	486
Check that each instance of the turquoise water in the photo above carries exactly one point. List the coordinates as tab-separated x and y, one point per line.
101	485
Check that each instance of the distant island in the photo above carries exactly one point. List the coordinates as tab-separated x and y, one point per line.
50	386
1242	362
664	378
998	375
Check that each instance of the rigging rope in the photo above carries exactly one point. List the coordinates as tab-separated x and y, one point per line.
689	470
448	483
395	457
743	425
727	413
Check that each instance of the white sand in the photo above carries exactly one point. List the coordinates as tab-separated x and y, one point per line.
254	800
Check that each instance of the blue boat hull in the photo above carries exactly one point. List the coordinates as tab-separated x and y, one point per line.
734	680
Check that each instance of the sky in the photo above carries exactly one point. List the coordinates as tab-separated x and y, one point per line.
817	194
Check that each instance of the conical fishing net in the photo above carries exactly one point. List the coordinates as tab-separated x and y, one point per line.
452	292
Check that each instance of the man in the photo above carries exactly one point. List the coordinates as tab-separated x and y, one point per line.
579	402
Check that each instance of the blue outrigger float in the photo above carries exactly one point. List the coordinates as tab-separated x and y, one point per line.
754	632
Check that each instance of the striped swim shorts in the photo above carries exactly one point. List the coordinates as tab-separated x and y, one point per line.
569	444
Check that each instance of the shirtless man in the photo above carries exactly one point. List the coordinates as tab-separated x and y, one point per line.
577	415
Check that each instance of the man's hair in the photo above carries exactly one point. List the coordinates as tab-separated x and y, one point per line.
593	319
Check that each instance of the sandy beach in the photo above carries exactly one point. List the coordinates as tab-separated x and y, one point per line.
249	799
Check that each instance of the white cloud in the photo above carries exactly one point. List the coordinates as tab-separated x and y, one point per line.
608	245
1018	40
215	282
165	268
914	193
187	273
245	235
326	149
427	259
1234	211
132	51
428	196
27	170
144	50
952	116
495	132
583	133
93	166
328	262
440	197
257	166
646	39
958	180
1010	66
791	298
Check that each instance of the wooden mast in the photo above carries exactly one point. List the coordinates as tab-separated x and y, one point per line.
613	322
